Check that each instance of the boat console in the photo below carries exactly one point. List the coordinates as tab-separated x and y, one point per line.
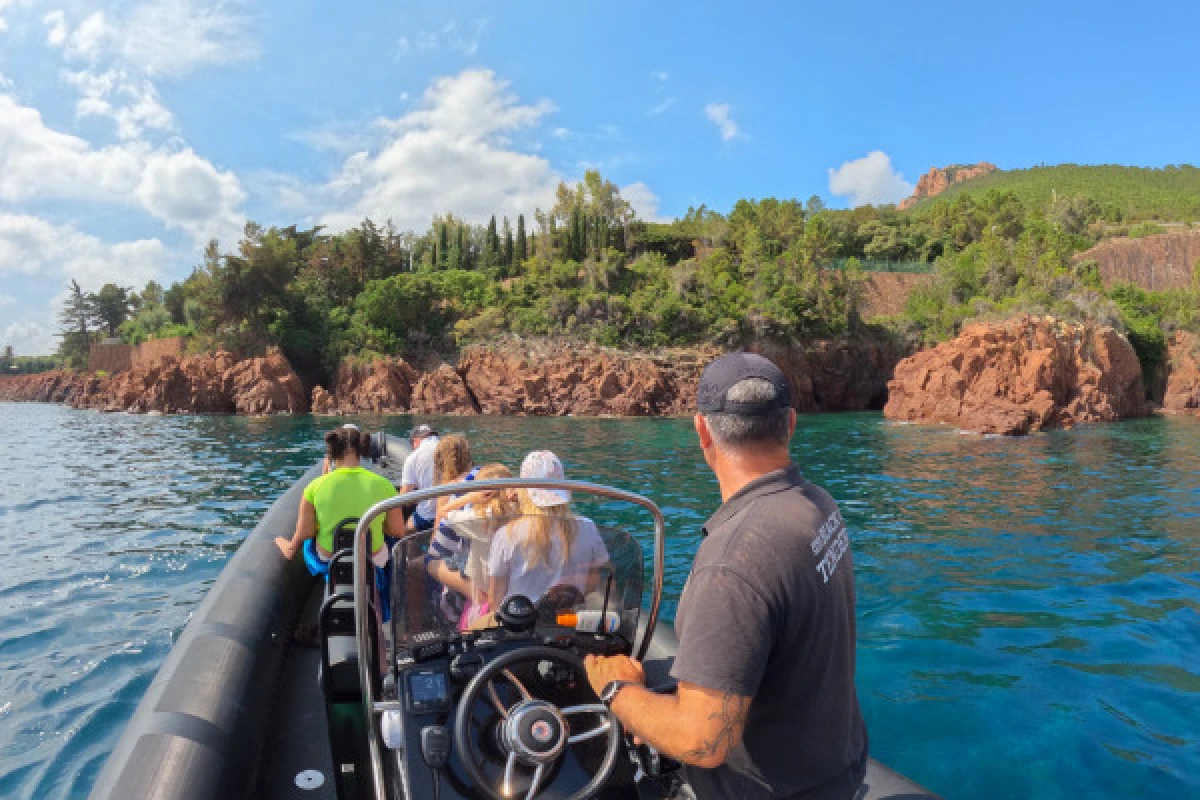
478	695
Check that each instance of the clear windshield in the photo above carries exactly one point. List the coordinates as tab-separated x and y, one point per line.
579	575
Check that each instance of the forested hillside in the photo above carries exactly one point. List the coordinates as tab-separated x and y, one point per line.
587	269
1124	194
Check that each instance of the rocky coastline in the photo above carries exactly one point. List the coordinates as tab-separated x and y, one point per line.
1013	377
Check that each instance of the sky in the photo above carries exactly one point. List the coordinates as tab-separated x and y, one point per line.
133	131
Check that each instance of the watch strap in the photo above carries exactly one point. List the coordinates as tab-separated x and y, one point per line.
609	692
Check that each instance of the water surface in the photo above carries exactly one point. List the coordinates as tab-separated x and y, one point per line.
1029	609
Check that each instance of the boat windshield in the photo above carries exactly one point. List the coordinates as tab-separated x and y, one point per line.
578	574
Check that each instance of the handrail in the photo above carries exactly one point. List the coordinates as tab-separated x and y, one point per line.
362	574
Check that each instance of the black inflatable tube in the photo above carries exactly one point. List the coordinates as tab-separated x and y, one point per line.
198	731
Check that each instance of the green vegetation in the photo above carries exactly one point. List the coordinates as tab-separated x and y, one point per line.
587	269
1122	193
11	364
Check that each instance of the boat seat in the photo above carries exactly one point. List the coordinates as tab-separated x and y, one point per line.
343	669
341	571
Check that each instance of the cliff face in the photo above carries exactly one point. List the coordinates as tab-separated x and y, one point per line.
210	383
939	179
1020	376
1156	263
559	380
1183	375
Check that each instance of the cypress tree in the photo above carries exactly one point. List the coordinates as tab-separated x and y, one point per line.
522	251
441	256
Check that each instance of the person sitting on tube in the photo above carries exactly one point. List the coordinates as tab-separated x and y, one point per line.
346	491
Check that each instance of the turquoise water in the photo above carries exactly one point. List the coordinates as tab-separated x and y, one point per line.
1029	609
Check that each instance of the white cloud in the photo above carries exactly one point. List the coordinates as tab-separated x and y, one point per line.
721	115
463	40
56	28
869	180
137	106
660	75
660	107
179	188
452	154
29	339
30	244
644	202
7	299
160	37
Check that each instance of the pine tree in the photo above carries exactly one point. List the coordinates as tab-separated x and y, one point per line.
522	250
74	318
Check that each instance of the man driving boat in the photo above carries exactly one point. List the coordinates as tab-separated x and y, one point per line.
766	705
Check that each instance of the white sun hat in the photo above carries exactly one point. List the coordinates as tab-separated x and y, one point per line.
544	464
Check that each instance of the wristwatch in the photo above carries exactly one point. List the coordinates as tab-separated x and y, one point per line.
609	692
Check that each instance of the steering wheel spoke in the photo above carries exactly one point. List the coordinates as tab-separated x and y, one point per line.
536	782
591	708
510	768
495	696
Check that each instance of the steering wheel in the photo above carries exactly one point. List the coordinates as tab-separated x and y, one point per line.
534	733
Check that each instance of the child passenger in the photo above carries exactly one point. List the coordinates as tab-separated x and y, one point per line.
548	545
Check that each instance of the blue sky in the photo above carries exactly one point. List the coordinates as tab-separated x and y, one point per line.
131	131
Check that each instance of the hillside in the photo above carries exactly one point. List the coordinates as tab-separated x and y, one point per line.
1156	263
1124	193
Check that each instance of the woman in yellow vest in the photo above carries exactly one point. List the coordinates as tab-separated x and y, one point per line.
346	490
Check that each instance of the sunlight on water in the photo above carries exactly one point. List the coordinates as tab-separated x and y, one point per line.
1029	609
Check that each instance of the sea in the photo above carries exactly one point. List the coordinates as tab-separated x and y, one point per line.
1028	608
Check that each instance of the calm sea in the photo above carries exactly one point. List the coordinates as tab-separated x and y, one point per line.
1029	609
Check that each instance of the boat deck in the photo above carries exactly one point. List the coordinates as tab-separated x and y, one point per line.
298	738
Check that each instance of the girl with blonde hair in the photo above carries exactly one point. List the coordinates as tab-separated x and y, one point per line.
549	545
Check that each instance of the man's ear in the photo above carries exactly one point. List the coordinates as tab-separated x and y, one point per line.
791	422
702	431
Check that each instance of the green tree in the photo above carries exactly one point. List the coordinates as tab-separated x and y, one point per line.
75	319
110	307
522	248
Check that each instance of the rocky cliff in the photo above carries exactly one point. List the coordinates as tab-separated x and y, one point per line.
557	380
1019	376
1183	374
1157	263
939	179
210	383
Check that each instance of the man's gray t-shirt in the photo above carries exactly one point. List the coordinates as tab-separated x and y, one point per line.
768	613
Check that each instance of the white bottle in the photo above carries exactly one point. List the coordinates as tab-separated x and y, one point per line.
589	621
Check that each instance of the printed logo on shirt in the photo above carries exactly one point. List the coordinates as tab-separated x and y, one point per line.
832	533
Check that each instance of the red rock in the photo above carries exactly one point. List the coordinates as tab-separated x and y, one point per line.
1183	374
266	386
322	401
1020	376
939	179
382	385
442	392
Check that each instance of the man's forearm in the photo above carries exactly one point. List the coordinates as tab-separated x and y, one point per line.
660	721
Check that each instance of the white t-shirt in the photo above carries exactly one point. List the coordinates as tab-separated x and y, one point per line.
418	471
507	558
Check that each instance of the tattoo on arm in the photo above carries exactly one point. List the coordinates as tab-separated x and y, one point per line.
730	719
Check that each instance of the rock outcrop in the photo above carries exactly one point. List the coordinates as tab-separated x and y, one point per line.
322	401
939	179
384	385
1161	262
1183	374
213	383
1019	376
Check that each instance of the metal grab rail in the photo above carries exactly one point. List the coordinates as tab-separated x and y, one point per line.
362	574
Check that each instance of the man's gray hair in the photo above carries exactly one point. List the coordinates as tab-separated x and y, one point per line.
740	431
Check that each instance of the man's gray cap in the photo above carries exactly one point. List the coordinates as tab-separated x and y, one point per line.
422	430
722	374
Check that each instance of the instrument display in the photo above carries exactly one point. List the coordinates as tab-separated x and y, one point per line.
427	690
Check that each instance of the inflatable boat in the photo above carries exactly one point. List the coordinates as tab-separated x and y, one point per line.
435	696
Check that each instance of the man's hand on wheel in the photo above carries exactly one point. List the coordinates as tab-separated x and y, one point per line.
601	671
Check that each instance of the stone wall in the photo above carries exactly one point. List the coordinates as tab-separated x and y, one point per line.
117	357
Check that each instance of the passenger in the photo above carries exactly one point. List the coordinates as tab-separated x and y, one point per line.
485	512
418	474
451	464
548	545
347	490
